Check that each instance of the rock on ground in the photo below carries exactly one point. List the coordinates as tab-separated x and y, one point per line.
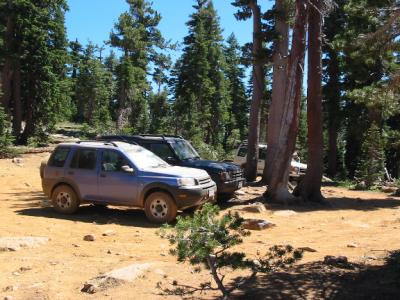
285	213
338	261
114	278
109	233
257	224
257	207
16	243
89	238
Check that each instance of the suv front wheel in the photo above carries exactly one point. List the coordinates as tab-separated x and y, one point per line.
65	200
160	207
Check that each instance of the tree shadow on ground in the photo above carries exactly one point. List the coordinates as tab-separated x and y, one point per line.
35	204
341	203
330	204
319	281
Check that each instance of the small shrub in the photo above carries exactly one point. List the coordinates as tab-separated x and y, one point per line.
6	138
41	138
204	240
371	167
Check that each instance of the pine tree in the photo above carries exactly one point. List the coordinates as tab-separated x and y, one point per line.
248	9
75	57
6	138
371	165
160	113
363	64
333	86
240	103
288	127
35	56
201	91
93	90
137	36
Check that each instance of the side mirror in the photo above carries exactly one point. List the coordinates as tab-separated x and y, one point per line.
127	169
171	160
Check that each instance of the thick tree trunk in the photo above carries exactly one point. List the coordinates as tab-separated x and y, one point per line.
332	95
6	72
17	107
310	187
278	86
258	88
289	123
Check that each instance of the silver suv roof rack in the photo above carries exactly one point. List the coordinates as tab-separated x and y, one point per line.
105	143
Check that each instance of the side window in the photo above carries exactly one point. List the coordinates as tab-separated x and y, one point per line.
58	158
113	161
84	159
262	153
242	152
162	150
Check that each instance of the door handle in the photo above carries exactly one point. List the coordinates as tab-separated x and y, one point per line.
70	172
103	175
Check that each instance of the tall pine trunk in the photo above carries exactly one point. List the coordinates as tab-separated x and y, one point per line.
278	86
17	106
289	123
310	187
258	88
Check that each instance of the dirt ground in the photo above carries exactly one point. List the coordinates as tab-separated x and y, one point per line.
363	226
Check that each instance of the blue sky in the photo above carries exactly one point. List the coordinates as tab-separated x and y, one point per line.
93	19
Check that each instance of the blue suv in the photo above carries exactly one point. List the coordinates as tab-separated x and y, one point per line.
118	173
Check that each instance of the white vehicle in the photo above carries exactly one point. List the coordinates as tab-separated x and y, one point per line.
296	168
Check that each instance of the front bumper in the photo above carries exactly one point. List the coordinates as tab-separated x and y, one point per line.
189	197
228	187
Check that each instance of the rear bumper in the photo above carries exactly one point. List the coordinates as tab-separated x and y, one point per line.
46	187
189	197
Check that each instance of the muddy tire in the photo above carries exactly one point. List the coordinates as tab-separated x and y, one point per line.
160	207
65	200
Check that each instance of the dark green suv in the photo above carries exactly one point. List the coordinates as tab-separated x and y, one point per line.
177	151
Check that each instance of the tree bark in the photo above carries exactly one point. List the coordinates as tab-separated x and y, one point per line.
17	107
289	123
310	187
258	88
278	86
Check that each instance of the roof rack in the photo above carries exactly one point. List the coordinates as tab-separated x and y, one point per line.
161	135
105	143
121	138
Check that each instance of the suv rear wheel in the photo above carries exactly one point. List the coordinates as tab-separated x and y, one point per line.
160	207
65	200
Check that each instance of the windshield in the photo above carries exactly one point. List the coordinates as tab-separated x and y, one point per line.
144	159
184	150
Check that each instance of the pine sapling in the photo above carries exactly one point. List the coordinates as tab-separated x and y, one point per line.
205	239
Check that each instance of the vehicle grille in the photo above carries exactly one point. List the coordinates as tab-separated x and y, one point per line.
237	174
204	181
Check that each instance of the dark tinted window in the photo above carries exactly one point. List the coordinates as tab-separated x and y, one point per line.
84	159
113	161
58	158
162	150
242	152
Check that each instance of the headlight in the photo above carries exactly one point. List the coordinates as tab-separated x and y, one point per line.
225	176
187	181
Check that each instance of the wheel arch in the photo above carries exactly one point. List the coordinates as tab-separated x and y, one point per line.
156	188
74	188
